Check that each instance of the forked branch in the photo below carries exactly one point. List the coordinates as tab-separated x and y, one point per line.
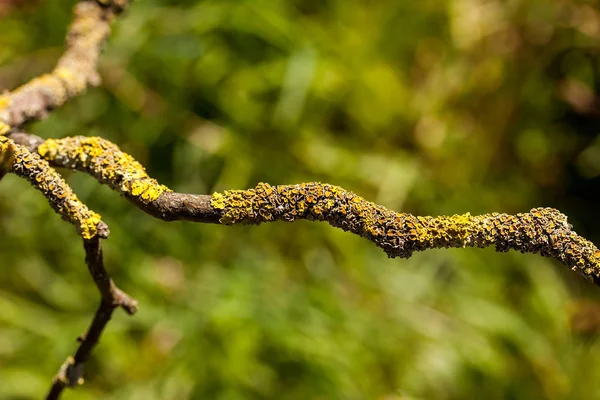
75	71
542	230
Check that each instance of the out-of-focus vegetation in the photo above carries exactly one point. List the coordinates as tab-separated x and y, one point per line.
429	107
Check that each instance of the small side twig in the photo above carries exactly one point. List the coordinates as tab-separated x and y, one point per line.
75	71
110	293
71	372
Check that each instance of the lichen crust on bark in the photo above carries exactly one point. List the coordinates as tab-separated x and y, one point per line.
7	156
106	162
58	193
542	230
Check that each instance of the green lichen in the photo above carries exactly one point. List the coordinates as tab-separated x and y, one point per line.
106	162
542	230
58	193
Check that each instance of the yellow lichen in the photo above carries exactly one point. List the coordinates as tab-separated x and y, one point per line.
137	188
63	73
4	128
106	162
5	101
89	226
153	192
48	148
75	70
7	155
60	196
218	201
543	230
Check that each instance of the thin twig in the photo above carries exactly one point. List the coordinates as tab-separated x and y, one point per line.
75	71
71	372
59	194
21	161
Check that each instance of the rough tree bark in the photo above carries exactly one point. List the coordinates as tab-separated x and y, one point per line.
542	230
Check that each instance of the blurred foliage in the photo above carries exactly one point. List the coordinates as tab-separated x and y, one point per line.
430	107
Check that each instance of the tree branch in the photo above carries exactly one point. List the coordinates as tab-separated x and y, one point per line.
75	71
21	161
71	372
542	230
59	194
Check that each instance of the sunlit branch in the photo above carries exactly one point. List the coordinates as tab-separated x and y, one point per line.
17	158
59	194
542	230
75	71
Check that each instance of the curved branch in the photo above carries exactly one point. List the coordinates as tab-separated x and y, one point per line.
107	163
75	71
542	230
59	194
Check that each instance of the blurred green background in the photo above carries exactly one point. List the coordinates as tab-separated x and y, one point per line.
429	107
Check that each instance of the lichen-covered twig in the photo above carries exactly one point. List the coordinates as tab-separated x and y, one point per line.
542	230
44	178
75	71
107	163
71	372
18	159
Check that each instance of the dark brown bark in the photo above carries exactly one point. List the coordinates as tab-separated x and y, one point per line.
71	372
